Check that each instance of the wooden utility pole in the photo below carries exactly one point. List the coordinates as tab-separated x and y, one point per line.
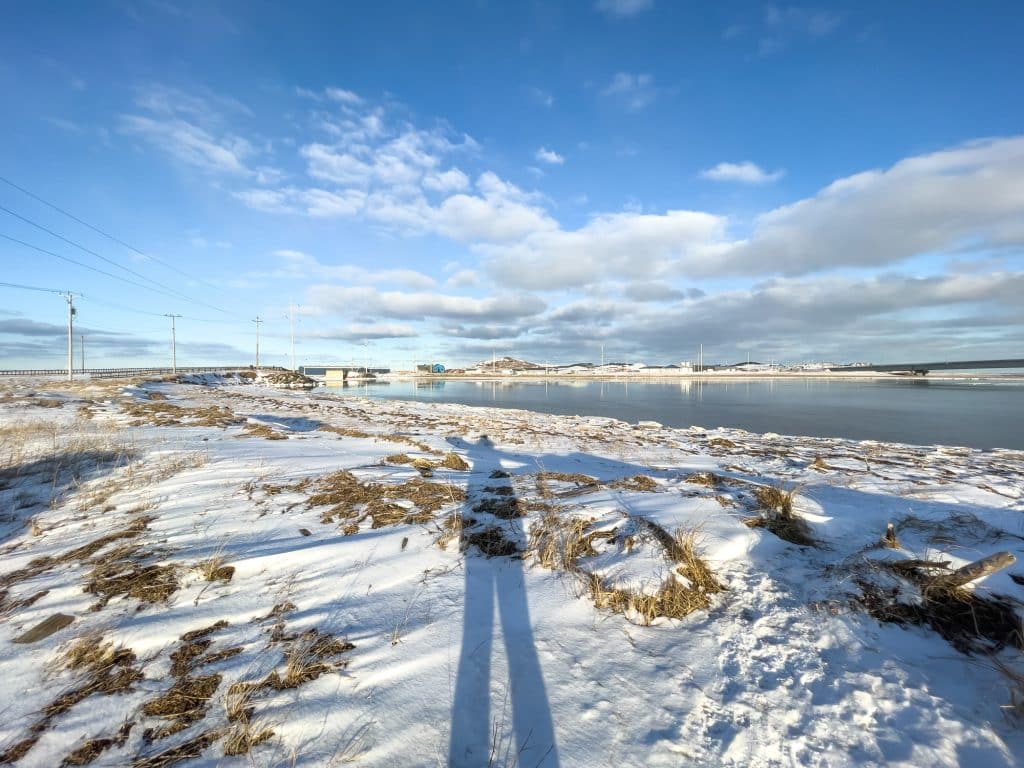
81	340
174	344
71	330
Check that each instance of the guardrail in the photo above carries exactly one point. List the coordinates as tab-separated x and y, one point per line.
114	373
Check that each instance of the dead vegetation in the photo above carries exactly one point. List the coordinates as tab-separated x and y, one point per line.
490	541
262	430
136	526
121	573
188	699
635	483
351	501
344	431
559	541
93	748
194	747
215	568
914	593
776	513
100	669
159	413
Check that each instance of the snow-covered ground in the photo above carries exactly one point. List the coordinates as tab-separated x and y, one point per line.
362	622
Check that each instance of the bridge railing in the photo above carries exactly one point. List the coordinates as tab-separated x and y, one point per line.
114	373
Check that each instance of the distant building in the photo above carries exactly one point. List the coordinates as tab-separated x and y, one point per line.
430	368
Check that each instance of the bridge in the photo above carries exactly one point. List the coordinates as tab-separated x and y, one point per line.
336	373
922	369
114	373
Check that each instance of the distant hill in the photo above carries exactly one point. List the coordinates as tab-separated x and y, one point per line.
507	363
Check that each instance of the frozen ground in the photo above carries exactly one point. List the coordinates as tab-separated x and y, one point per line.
301	580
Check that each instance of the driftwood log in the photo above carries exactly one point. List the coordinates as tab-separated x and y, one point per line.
979	569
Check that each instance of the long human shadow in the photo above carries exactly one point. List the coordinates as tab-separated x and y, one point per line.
476	740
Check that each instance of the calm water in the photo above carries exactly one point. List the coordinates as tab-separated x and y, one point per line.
981	414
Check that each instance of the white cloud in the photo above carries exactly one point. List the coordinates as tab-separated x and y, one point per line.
623	7
299	264
417	305
635	91
464	278
549	156
745	172
191	144
343	96
366	332
966	198
620	244
452	180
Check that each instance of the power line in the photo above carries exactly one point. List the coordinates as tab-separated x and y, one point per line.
107	235
104	258
80	264
110	304
31	288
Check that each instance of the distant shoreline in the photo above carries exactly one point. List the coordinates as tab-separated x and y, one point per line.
716	377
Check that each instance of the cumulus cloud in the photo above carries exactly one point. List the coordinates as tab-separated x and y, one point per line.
622	244
652	290
549	156
745	172
966	198
366	332
422	304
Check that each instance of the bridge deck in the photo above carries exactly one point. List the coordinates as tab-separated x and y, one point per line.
957	365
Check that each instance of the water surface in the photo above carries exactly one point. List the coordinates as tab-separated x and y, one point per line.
976	413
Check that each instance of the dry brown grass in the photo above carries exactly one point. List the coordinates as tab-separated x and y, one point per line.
186	702
450	529
721	442
243	736
192	748
454	461
707	479
778	516
103	669
308	658
343	431
215	568
262	430
93	748
635	483
164	414
351	501
119	574
134	529
559	540
673	600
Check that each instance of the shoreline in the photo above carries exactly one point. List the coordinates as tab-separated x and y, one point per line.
258	524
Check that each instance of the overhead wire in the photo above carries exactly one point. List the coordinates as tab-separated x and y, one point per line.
31	288
81	264
91	252
105	234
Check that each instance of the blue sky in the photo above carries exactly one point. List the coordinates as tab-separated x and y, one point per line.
439	181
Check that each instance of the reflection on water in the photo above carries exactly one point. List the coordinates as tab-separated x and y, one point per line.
978	413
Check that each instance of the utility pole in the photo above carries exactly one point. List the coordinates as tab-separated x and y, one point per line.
258	320
602	355
71	322
174	344
701	358
82	345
